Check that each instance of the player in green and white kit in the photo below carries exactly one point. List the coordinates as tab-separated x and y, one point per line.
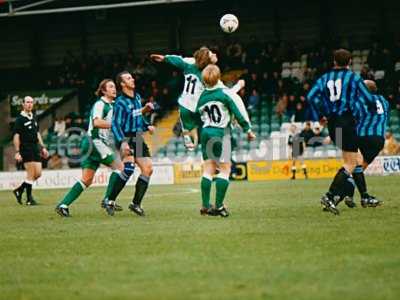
96	147
193	88
217	106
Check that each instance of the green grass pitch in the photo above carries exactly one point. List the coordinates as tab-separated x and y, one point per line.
277	244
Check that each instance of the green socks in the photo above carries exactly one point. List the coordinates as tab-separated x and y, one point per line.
73	193
222	184
206	190
114	185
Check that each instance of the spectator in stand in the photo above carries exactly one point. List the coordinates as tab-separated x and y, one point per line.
253	49
300	114
391	147
281	106
166	99
59	126
280	89
291	106
318	139
307	133
254	99
54	162
253	83
267	86
68	122
156	110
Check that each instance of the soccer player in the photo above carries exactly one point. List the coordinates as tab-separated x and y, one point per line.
332	97
216	107
192	89
96	146
296	142
29	148
128	126
371	128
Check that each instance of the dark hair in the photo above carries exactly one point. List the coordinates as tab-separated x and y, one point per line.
342	57
102	87
118	79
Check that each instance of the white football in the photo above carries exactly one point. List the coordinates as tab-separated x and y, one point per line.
229	23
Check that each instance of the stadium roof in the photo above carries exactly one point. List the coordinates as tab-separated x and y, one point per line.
12	8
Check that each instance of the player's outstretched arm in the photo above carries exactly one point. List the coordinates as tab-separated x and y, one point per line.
236	106
157	57
238	86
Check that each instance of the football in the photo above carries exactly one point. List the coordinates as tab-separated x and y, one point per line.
229	23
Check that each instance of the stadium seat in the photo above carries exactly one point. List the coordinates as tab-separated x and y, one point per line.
285	127
357	68
365	52
380	74
364	59
286	73
296	65
264	120
264	127
256	127
356	60
275	127
397	66
264	135
356	53
395	128
298	74
286	65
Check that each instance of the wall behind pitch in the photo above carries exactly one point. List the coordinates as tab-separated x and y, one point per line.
163	174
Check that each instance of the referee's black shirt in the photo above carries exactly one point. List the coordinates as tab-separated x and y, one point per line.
27	128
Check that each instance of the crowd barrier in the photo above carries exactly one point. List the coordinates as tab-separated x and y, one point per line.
184	173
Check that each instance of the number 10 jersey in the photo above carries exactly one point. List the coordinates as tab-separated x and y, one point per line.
218	105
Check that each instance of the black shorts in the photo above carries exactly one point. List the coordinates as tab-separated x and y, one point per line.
138	146
297	150
370	146
342	131
30	153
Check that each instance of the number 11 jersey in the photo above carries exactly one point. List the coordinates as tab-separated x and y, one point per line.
336	93
193	86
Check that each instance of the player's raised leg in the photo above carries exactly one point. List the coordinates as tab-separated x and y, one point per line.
87	178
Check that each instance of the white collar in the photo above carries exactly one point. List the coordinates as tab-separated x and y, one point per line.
26	115
219	84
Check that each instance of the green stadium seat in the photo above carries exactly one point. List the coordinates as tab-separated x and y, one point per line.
275	127
264	135
395	128
265	128
256	127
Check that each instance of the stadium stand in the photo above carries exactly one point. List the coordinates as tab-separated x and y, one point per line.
279	62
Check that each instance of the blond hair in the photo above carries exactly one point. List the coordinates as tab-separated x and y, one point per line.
202	57
102	87
211	74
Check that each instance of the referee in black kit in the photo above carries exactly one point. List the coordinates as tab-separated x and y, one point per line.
29	149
